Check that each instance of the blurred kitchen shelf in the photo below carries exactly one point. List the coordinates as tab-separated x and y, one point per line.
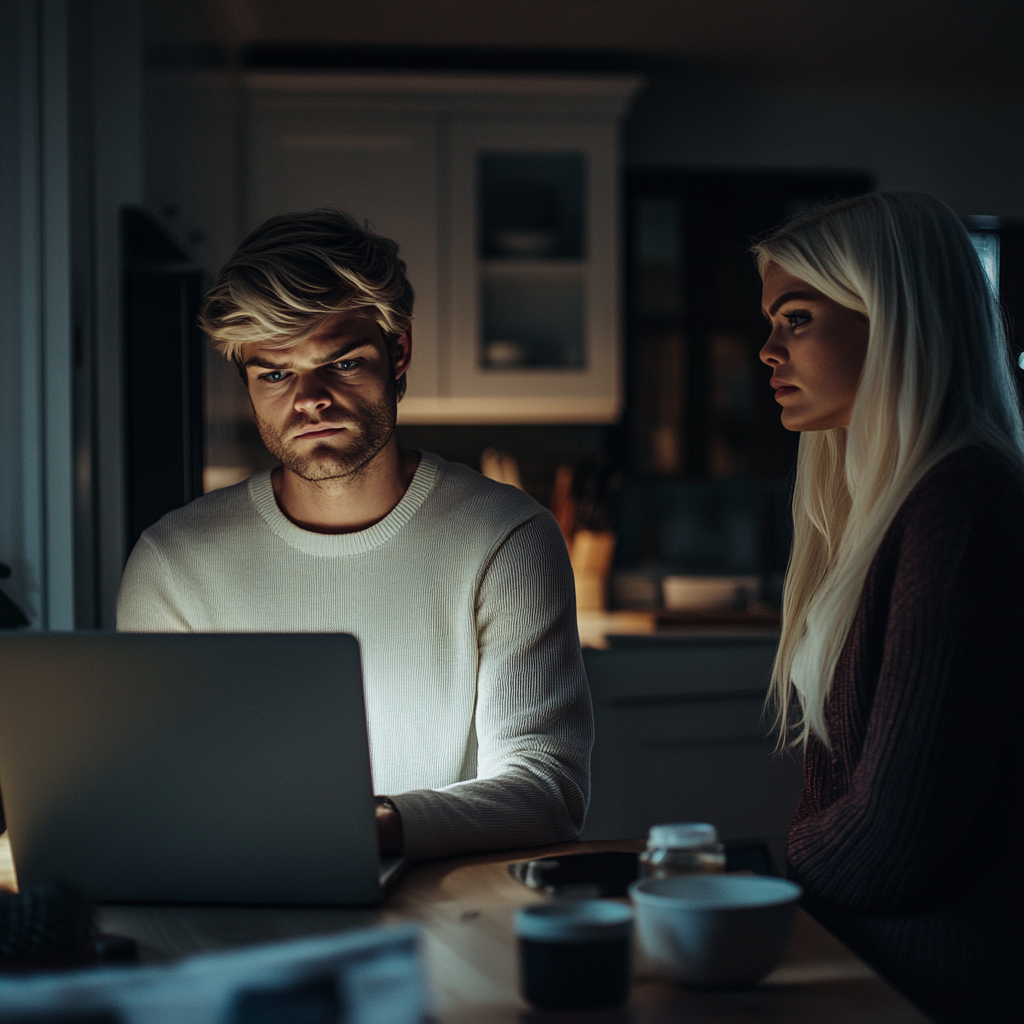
665	618
596	626
513	408
514	267
8	879
616	629
694	636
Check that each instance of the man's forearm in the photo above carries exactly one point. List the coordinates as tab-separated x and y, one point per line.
503	813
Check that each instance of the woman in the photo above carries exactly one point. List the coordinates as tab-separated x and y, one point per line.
901	663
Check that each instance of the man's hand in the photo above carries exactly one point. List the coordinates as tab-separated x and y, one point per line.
389	826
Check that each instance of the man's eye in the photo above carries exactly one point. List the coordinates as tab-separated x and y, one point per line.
345	365
274	377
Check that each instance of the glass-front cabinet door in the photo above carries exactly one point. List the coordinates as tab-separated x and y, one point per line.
534	323
531	245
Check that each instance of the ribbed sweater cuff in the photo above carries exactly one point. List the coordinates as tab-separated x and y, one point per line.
422	839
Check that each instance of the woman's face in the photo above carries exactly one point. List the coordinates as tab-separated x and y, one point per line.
816	351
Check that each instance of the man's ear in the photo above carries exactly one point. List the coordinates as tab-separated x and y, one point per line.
402	352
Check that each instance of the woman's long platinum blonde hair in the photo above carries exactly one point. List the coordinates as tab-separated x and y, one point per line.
937	377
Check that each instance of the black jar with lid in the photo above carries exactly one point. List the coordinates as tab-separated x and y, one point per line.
575	954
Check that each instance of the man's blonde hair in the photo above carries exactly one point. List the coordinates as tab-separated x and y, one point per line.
298	271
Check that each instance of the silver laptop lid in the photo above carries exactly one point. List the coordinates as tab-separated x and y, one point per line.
208	768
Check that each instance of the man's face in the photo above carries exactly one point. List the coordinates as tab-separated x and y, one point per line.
326	406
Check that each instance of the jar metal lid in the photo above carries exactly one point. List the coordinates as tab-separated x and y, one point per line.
683	835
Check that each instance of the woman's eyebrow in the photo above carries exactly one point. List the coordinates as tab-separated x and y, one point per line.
785	297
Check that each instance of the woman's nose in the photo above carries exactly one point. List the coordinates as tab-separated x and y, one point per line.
772	353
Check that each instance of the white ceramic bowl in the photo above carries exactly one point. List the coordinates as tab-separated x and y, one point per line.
715	930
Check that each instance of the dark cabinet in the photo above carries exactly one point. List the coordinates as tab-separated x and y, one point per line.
163	380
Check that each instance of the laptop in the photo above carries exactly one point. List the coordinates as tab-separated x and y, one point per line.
190	768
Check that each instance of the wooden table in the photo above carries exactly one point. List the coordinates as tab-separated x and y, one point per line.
465	905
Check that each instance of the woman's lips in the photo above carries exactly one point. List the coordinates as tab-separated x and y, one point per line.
782	387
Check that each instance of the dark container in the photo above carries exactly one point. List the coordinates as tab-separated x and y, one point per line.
575	954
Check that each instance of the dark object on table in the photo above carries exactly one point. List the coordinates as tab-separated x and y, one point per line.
49	927
46	927
574	954
575	975
116	949
312	1002
11	616
581	874
610	874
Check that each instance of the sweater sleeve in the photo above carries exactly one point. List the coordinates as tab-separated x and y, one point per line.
148	601
946	697
534	722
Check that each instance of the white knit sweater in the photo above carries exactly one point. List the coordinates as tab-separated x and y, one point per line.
462	600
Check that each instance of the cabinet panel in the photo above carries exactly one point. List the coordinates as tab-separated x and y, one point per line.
681	736
380	168
638	675
535	314
742	787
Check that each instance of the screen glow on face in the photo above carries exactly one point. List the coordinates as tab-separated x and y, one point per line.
327	405
816	351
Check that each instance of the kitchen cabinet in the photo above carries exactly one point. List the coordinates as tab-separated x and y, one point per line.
503	194
681	736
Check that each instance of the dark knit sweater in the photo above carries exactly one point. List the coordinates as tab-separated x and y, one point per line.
909	837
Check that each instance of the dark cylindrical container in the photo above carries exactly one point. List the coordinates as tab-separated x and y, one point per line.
574	954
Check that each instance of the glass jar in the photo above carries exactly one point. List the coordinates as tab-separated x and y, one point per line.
684	848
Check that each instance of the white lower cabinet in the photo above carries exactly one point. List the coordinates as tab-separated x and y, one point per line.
502	192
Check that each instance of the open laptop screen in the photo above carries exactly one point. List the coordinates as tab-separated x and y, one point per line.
210	768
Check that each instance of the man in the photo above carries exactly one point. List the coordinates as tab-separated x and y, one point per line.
459	589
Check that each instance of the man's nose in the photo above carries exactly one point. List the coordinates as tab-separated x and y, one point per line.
311	395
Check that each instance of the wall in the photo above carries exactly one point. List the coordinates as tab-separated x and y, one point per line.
36	523
965	147
69	159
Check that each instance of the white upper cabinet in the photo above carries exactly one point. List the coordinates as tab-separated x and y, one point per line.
502	193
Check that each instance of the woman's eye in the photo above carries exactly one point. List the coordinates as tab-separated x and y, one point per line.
797	319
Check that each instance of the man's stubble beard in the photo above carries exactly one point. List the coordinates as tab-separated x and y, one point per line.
370	433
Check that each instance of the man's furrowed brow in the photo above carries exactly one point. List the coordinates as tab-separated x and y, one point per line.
266	364
340	353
